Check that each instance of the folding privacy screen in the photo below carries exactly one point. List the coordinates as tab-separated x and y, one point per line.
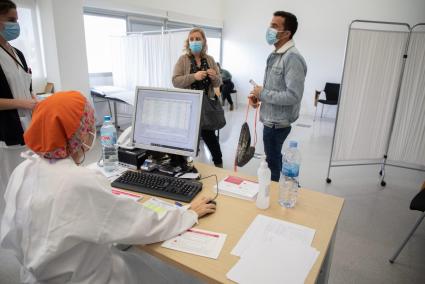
381	112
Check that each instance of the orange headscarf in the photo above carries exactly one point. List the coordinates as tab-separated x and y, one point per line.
58	125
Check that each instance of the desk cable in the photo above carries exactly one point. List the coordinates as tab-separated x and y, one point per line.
216	182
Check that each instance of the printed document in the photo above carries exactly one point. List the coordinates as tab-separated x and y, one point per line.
199	242
161	207
265	229
125	194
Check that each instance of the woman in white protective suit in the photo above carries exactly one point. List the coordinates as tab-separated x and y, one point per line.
61	219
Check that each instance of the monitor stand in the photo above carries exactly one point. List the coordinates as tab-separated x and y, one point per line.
177	164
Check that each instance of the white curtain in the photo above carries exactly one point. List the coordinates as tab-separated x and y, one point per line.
146	59
408	138
371	76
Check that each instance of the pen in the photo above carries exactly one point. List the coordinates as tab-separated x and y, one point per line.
178	204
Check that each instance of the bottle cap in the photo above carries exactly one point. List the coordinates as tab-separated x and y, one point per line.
293	144
106	118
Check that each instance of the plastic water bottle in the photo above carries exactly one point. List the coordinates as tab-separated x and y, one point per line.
264	180
288	183
108	138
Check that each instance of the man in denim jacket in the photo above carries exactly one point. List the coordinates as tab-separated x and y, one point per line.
282	89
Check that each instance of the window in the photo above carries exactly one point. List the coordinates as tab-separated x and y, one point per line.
101	26
214	42
145	24
29	42
99	31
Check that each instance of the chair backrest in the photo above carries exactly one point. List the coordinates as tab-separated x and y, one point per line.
332	91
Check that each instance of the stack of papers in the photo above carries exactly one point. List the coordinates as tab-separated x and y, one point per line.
274	251
199	242
238	187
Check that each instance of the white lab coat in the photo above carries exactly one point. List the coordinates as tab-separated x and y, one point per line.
61	221
19	83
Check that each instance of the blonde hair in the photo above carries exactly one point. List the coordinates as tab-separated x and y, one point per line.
204	42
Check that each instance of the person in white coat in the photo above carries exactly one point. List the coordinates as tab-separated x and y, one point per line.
61	220
16	100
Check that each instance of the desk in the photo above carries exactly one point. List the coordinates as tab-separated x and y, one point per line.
233	216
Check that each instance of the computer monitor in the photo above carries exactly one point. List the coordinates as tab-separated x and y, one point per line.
167	120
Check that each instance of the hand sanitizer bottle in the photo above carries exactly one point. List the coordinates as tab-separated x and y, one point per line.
264	180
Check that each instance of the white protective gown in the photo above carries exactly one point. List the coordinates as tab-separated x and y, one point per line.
19	83
61	221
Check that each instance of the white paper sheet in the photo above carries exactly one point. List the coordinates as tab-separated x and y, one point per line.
199	242
161	207
129	195
111	176
277	261
265	229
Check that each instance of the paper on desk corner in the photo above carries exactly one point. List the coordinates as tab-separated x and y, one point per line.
274	262
199	242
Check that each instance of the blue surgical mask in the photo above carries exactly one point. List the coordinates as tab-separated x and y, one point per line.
271	36
195	46
10	31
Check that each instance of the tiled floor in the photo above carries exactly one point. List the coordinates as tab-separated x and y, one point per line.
374	220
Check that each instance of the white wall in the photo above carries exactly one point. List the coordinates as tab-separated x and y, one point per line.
321	35
64	44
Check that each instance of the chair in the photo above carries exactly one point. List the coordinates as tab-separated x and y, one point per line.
418	203
332	94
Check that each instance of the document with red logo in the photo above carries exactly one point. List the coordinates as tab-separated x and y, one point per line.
238	187
199	242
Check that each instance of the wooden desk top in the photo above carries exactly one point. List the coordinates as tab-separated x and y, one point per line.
233	216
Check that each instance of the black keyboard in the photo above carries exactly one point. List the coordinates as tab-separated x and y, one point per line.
159	185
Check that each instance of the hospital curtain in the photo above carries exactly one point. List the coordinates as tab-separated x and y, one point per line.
146	59
371	75
408	138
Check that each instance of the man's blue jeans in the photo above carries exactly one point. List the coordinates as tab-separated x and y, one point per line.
273	139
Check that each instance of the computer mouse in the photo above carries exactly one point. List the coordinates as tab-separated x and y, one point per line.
213	202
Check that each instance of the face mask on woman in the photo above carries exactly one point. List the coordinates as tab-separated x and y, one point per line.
11	30
195	46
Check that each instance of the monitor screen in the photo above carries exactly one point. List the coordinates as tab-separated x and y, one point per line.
167	120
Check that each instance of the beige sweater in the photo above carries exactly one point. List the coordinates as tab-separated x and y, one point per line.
183	79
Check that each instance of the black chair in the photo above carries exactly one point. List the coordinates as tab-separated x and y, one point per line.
332	94
418	203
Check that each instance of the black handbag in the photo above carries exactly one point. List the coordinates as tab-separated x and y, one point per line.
212	117
245	151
